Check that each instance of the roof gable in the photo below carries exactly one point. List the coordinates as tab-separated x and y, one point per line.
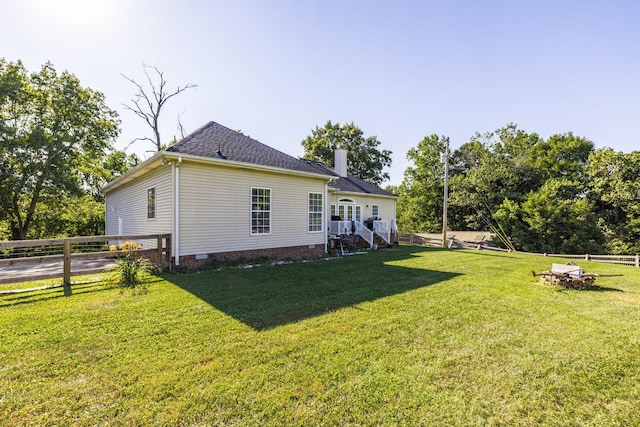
216	141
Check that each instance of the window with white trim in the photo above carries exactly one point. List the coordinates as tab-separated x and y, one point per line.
260	210
374	211
151	203
315	212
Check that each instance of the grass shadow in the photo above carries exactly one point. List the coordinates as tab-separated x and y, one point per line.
596	288
50	293
270	296
46	294
592	288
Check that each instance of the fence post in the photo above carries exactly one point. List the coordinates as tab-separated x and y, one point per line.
159	248
637	260
586	257
66	273
168	251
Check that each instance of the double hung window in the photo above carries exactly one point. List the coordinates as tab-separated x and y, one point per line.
315	212
260	210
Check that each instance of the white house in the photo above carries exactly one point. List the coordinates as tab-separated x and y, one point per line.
223	195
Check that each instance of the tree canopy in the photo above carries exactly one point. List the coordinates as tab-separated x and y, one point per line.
364	159
420	207
558	195
55	136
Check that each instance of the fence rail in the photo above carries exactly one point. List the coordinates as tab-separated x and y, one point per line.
413	239
52	258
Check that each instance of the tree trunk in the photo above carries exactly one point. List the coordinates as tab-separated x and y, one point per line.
17	232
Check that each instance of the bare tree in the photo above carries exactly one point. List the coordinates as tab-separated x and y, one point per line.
149	101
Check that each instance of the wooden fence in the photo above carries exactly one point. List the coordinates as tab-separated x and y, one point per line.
414	239
25	260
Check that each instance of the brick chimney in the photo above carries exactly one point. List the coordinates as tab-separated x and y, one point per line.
340	165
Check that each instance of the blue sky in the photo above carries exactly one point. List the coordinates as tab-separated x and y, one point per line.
399	70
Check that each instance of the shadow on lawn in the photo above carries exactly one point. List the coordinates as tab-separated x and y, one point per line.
50	293
45	294
270	296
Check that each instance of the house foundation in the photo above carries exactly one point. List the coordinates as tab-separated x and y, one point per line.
287	253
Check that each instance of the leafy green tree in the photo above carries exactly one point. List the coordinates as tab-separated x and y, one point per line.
562	156
468	209
364	159
489	169
421	192
537	191
556	218
54	135
614	182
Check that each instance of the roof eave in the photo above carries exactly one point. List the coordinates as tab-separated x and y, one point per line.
243	165
359	193
160	158
141	169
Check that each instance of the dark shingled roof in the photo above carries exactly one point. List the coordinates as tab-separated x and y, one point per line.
216	141
350	183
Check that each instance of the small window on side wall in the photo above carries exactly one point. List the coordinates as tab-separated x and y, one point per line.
151	203
374	211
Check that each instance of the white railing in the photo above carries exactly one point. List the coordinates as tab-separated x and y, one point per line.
339	227
381	228
365	233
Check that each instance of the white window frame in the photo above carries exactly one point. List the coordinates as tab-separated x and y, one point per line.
253	211
349	210
315	217
375	211
152	206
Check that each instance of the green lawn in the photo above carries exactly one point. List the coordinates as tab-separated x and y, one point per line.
409	336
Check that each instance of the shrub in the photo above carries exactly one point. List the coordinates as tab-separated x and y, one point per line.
130	269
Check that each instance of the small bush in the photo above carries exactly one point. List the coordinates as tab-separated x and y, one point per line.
130	269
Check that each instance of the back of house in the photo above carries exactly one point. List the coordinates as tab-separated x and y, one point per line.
225	196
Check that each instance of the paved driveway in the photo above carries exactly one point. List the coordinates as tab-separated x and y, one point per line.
26	272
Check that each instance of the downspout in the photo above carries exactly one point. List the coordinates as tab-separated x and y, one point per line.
327	206
395	220
176	215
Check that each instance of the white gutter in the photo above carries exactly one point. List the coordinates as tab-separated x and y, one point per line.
176	216
324	217
243	165
339	192
173	206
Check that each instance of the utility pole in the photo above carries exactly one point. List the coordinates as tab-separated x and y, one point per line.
445	159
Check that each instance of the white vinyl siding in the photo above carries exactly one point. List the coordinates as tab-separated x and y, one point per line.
127	205
215	203
365	202
315	212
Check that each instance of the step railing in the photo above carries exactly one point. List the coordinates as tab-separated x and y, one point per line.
381	228
365	233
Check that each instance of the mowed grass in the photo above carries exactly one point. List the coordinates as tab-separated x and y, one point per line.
409	336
